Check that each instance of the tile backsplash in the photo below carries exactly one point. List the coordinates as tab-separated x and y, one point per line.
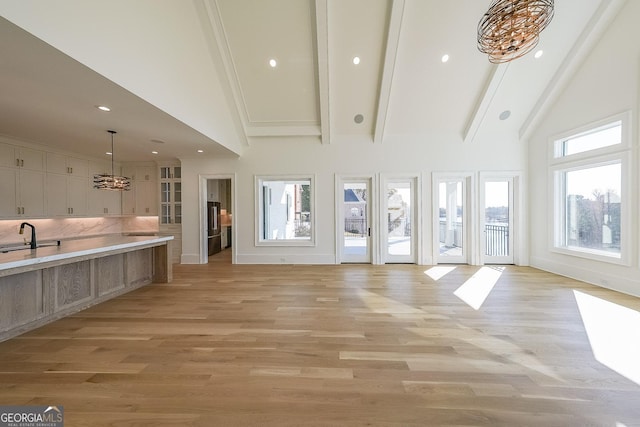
70	228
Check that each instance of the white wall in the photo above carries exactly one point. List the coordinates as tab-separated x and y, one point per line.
291	156
606	84
135	33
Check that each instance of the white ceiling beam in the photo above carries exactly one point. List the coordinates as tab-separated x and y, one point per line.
591	34
257	131
220	52
484	102
322	55
389	66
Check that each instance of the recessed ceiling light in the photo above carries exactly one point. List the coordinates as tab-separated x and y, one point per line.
200	151
505	115
103	108
154	152
358	118
356	60
273	63
538	54
445	58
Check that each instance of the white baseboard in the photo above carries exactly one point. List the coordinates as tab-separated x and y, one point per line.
285	259
190	259
594	277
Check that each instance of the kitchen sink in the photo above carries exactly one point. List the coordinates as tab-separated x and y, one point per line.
26	246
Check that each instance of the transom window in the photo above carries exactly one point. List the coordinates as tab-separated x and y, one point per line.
604	136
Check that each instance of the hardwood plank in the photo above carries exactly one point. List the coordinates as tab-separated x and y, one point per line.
326	345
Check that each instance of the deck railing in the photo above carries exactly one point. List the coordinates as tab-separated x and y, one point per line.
496	237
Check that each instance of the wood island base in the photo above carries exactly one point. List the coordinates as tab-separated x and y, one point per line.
38	293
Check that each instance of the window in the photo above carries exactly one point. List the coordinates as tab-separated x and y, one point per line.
604	136
590	193
285	211
592	210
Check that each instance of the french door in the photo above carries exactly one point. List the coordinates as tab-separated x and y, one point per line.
354	219
451	228
496	220
400	225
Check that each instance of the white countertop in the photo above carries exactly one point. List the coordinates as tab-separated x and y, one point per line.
75	248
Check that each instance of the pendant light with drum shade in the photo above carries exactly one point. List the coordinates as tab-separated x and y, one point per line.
111	182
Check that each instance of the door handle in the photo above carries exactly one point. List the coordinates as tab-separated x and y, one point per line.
369	231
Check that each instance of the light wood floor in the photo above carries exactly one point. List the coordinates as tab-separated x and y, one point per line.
349	345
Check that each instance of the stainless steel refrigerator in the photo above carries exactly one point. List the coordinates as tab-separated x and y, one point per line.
214	227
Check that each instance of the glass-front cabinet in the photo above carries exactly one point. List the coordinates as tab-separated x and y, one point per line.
170	195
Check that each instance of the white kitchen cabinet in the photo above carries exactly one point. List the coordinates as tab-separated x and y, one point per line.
145	194
58	163
7	155
170	194
170	214
9	193
141	200
23	182
66	195
103	202
30	159
67	190
174	230
22	193
77	192
21	157
146	173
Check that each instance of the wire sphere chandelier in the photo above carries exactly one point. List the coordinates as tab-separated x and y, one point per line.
511	28
111	181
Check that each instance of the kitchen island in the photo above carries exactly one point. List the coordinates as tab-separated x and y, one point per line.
40	285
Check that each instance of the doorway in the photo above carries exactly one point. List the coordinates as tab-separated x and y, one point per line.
400	228
354	220
497	219
217	206
451	219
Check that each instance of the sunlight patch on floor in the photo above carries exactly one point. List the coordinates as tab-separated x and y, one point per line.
438	272
380	304
614	334
478	287
511	356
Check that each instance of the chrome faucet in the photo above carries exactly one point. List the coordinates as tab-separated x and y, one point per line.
33	234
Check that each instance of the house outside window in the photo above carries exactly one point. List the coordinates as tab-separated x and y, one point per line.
284	211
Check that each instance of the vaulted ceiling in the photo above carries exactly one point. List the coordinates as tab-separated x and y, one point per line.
182	76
